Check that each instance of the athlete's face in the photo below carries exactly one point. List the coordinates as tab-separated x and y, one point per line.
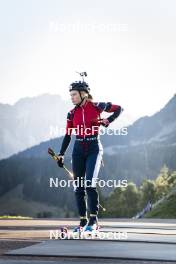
75	97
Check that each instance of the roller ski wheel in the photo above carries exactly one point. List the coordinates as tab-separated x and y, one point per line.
64	233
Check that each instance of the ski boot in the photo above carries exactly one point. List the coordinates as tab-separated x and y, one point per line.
92	226
83	222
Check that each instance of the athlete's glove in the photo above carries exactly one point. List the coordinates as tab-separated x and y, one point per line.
60	160
104	122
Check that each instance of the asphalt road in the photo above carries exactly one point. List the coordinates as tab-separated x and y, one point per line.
146	241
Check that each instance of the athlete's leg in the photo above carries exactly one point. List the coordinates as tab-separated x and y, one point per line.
79	167
93	164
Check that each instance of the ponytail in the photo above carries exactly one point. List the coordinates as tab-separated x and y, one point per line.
90	97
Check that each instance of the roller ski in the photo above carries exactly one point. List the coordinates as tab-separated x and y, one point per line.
76	232
85	230
91	229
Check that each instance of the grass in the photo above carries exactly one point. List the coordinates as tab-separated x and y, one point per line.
167	209
14	217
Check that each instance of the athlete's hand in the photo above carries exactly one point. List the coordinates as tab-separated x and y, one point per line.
105	122
60	160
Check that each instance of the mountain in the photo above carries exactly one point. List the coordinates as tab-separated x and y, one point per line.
30	121
149	144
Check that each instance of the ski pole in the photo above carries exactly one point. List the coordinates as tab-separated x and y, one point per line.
103	208
69	172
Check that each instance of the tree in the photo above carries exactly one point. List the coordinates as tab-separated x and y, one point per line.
148	192
162	182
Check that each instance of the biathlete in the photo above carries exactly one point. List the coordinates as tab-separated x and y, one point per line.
87	152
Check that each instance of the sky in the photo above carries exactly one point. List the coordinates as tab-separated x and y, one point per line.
127	48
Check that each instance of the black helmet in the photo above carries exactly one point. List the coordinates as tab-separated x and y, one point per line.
79	86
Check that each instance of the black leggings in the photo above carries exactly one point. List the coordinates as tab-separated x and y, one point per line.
86	162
